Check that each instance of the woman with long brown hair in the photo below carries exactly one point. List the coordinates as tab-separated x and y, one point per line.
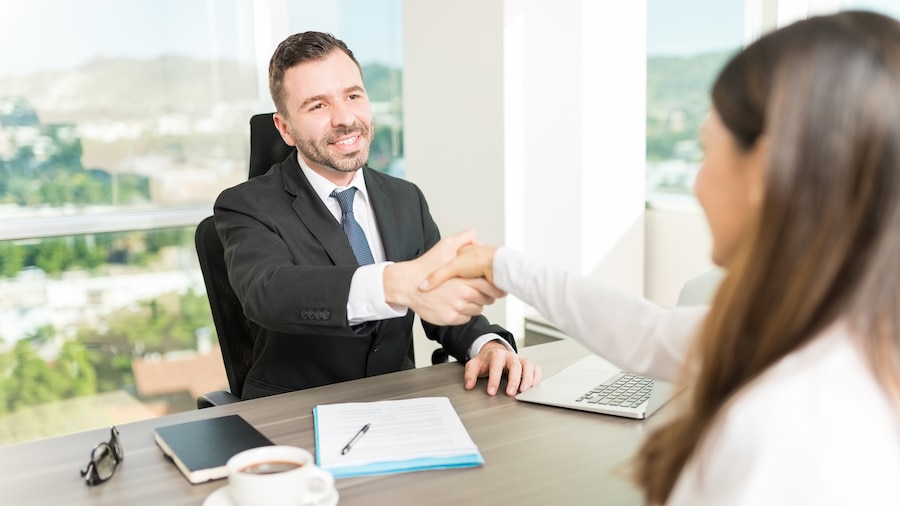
793	371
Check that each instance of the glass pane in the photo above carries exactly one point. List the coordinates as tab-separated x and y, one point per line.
888	7
139	103
685	51
107	107
102	329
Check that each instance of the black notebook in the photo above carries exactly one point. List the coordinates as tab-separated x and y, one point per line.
201	448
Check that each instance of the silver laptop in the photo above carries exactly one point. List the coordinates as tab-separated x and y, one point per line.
594	384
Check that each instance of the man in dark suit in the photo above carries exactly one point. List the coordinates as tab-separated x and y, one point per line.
326	255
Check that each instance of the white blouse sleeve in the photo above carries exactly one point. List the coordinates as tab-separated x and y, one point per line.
632	332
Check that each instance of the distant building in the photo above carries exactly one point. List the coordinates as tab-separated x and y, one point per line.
177	379
76	299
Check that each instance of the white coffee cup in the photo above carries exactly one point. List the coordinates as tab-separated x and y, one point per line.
277	476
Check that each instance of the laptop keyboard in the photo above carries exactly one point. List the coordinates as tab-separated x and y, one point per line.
623	390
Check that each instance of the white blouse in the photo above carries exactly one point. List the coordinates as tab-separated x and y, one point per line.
815	428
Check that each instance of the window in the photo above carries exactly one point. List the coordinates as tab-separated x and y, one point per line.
120	122
687	45
887	7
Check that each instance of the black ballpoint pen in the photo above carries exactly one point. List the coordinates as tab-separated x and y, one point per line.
353	441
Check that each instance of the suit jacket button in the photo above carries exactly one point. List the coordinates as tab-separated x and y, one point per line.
320	315
326	314
304	315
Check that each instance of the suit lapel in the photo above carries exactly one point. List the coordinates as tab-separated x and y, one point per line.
385	215
316	217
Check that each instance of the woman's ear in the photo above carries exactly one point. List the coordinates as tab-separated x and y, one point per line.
757	161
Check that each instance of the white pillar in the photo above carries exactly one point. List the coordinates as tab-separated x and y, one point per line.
525	119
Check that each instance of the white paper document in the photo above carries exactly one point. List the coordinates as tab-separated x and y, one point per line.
402	435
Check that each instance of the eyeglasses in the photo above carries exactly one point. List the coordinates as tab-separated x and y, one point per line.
104	459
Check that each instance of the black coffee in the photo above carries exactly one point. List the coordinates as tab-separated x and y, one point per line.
271	467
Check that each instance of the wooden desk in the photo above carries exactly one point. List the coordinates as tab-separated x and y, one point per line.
533	454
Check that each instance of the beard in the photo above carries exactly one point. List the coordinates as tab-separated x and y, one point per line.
317	151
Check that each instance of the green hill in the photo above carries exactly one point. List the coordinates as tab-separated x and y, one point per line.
678	99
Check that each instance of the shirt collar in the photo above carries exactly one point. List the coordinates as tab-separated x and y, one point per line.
323	187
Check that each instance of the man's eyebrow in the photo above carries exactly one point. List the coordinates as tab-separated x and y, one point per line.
311	100
316	98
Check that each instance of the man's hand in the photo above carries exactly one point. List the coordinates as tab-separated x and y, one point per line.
492	361
454	302
472	261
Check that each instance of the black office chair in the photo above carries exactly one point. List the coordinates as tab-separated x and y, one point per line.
236	332
266	145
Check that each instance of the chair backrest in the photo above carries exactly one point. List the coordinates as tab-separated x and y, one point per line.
235	331
266	145
701	288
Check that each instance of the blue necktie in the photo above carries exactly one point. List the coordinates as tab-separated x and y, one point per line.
354	232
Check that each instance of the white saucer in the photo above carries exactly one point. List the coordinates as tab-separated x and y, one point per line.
222	497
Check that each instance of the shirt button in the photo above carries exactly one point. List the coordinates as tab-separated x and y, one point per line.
377	347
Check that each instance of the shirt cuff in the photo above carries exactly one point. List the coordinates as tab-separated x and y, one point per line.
481	341
366	300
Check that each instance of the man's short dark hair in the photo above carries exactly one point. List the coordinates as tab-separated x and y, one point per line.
297	49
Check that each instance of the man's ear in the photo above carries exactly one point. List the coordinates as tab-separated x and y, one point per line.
284	129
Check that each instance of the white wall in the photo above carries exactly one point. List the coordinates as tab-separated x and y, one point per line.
679	247
453	119
524	120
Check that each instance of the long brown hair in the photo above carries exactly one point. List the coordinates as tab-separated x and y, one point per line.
825	93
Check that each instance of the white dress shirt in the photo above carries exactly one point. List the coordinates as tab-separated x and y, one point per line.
815	428
366	300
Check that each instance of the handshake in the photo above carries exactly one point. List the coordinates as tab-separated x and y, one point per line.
449	284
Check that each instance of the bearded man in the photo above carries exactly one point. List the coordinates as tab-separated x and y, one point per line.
326	255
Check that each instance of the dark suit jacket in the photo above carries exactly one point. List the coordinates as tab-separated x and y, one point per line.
290	265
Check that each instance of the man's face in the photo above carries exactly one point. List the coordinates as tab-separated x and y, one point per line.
328	118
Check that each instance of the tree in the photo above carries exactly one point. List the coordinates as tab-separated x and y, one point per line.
76	371
27	379
32	381
12	259
6	366
52	255
386	145
85	254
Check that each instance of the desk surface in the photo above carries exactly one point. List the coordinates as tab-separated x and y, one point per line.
533	454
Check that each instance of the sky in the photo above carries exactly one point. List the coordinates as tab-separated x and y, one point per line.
684	27
54	34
